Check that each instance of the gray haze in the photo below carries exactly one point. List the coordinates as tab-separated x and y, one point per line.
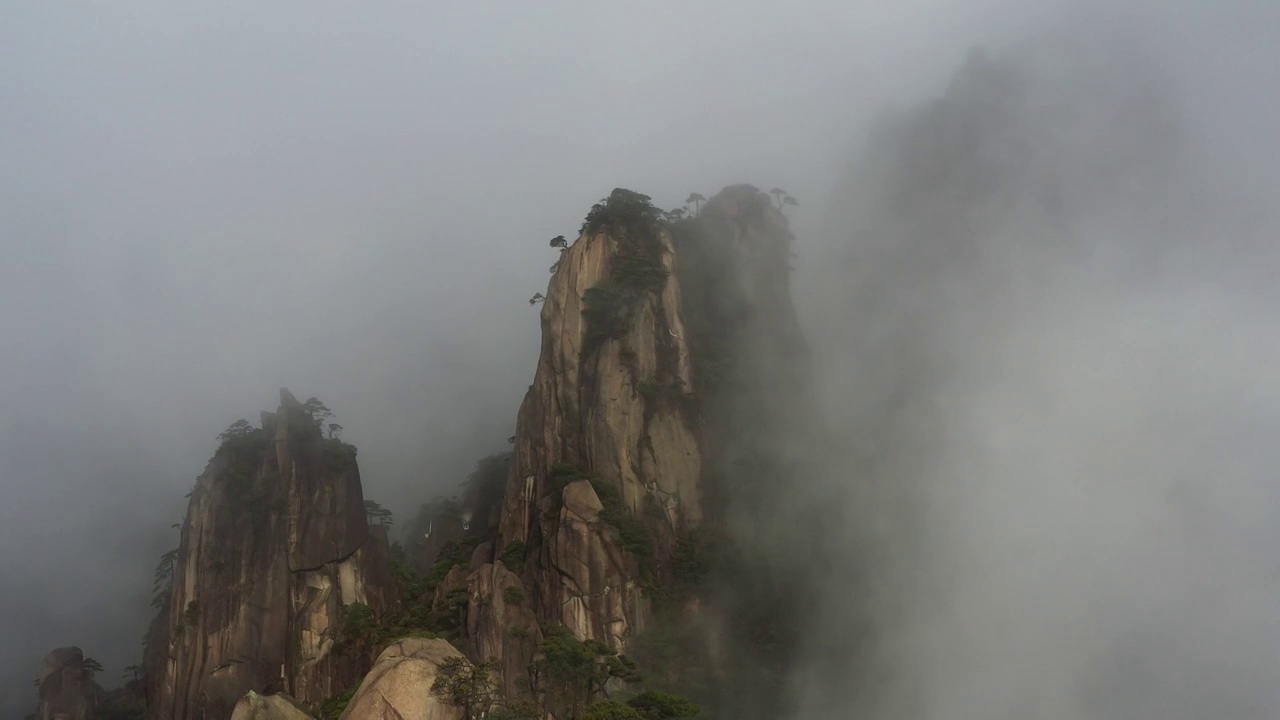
201	203
1049	332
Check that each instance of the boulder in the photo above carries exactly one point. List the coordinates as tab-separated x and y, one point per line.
399	685
268	707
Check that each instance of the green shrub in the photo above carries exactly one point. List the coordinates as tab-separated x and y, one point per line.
606	311
337	456
331	708
120	709
634	537
622	212
657	705
412	584
357	626
520	708
242	439
611	710
562	474
513	555
452	554
513	595
641	271
607	493
636	269
691	560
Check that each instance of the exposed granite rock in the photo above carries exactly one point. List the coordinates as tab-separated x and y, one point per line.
616	413
603	599
274	543
155	657
270	707
625	444
501	623
65	690
399	685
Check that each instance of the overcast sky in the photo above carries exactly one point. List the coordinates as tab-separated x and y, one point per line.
203	202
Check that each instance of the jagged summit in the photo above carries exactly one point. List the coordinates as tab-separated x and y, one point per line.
274	544
655	458
671	357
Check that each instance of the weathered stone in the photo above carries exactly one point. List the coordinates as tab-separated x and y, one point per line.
399	685
630	413
481	555
274	543
65	690
615	412
501	623
269	707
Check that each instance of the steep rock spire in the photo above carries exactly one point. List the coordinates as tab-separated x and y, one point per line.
274	544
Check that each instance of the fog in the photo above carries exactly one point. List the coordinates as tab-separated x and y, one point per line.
203	203
1050	345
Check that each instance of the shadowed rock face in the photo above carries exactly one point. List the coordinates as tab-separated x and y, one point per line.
500	622
275	541
65	692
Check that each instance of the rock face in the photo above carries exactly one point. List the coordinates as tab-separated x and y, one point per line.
654	338
500	622
65	690
667	407
272	707
274	544
399	685
605	401
442	530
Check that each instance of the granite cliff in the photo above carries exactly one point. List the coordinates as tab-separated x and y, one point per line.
274	545
670	399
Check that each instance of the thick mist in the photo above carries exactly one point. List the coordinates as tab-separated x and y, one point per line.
201	203
1050	346
1057	427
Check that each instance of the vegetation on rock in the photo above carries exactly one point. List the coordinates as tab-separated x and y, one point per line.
636	269
162	579
635	539
513	556
331	708
658	705
568	673
568	677
376	514
470	686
